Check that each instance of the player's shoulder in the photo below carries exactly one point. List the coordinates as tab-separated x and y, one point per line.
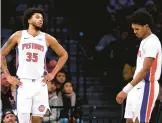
49	37
153	39
17	33
15	36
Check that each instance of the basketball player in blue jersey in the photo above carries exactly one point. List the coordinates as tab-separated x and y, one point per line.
32	93
143	90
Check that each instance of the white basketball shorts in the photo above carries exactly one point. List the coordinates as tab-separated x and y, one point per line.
141	100
32	97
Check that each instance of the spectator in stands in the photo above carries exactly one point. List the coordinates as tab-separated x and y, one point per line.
111	35
60	78
53	101
128	72
9	117
71	105
159	25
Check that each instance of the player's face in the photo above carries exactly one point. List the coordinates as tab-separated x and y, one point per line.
68	88
10	118
139	30
61	77
36	20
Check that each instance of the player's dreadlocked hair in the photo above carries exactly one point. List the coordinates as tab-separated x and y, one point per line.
28	14
142	17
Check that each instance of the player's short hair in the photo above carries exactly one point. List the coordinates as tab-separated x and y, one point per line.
29	13
142	17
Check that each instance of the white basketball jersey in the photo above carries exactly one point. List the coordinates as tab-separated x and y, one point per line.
150	47
31	56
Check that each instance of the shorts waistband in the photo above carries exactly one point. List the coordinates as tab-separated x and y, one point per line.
33	80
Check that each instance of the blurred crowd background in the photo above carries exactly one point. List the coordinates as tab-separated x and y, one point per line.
101	46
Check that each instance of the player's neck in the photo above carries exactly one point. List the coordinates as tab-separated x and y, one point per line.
147	34
32	31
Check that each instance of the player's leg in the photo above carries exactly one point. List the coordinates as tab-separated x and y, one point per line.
136	121
128	111
40	103
129	106
149	96
129	120
133	103
24	102
24	117
37	119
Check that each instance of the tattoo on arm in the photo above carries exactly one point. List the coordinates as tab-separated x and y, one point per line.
4	65
4	52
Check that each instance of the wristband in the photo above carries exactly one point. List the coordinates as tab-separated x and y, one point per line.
127	88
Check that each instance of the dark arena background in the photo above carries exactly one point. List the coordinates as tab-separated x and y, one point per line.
101	45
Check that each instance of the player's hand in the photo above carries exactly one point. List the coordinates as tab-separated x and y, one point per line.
48	77
13	80
120	97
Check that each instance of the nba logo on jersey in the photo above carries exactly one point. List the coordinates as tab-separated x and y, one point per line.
41	108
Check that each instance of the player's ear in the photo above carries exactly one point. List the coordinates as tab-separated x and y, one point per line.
146	25
29	21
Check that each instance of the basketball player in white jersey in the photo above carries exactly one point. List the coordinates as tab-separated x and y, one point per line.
32	93
143	90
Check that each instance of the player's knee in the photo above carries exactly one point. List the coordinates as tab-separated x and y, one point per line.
37	119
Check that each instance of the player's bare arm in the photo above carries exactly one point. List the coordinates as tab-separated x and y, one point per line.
148	61
60	51
12	41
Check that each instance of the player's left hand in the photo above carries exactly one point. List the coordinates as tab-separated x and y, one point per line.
120	97
48	77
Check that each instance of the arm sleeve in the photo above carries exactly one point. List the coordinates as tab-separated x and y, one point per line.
151	48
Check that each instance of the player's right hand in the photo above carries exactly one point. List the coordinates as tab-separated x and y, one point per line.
48	77
13	80
120	97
